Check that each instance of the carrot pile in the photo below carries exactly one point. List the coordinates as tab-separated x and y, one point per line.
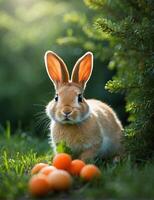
59	176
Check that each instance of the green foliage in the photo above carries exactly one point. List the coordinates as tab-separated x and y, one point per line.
115	85
8	130
62	147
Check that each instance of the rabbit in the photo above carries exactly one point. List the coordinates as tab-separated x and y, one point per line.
89	127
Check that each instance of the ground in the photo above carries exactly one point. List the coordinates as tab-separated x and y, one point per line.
19	152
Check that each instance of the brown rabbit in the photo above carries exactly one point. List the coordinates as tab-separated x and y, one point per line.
89	127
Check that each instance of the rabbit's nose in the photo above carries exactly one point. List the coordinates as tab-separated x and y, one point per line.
66	113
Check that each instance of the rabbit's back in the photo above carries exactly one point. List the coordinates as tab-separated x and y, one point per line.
105	115
110	126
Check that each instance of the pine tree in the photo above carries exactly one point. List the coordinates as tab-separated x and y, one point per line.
122	31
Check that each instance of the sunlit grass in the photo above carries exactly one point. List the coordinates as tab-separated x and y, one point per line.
18	153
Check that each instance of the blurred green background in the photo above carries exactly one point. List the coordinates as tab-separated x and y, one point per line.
27	29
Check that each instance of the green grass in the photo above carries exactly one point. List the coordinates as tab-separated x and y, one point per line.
18	153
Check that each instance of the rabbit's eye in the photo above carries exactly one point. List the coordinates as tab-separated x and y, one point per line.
56	97
80	98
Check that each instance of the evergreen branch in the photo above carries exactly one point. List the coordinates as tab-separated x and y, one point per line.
95	4
104	25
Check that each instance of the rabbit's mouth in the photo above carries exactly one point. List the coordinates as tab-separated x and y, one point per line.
67	120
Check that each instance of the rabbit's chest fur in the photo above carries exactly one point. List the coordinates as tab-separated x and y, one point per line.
78	137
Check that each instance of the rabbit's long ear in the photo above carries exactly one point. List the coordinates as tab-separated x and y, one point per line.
83	69
56	68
